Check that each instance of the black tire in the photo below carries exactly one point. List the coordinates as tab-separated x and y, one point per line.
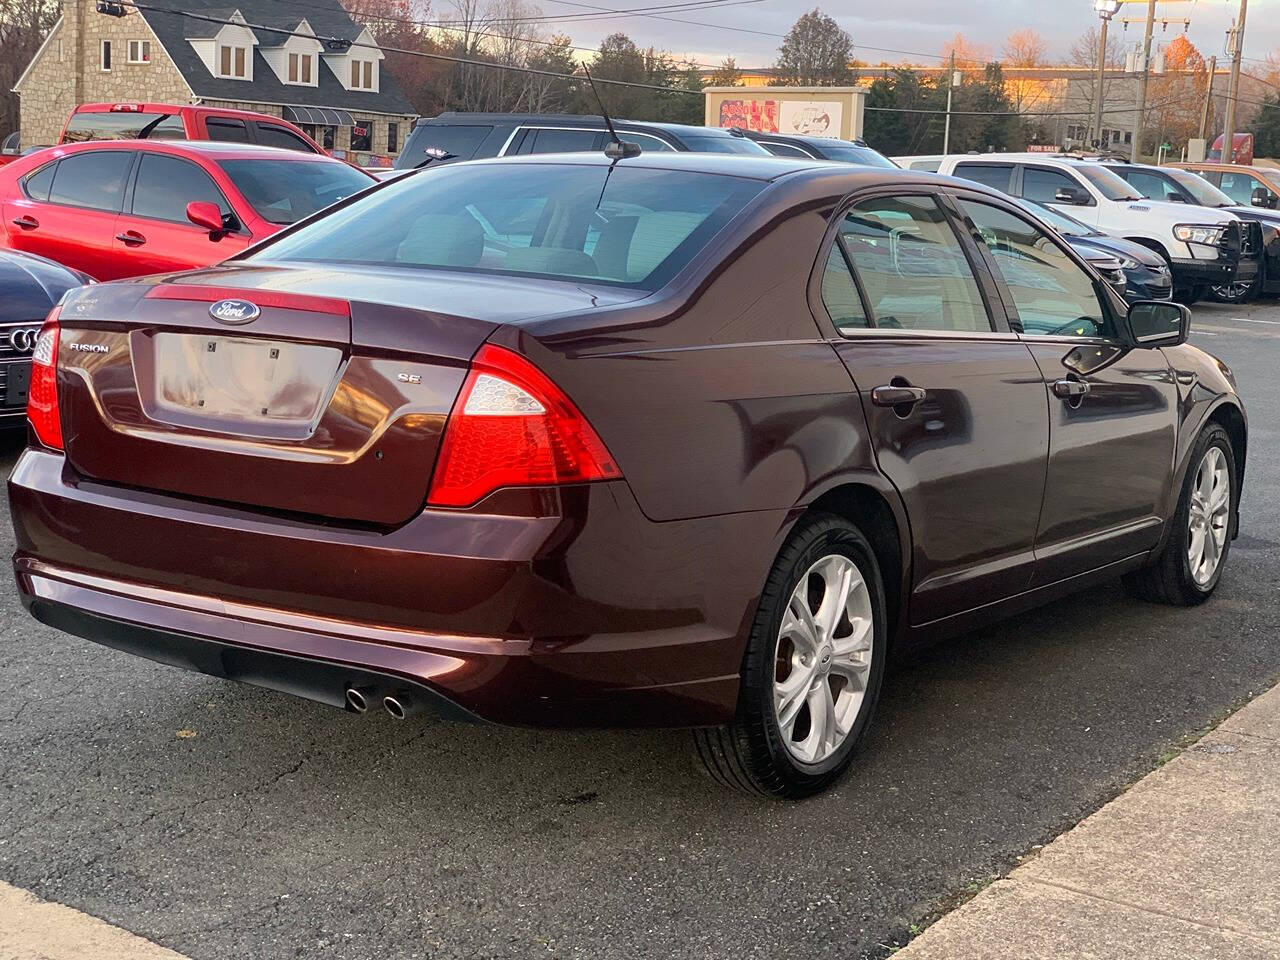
749	754
1168	579
1236	293
1189	295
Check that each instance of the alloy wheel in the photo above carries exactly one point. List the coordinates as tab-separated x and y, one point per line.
1232	292
1208	515
823	658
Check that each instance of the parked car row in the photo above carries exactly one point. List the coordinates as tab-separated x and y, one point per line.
1212	245
429	446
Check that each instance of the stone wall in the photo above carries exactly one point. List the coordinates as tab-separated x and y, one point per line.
69	71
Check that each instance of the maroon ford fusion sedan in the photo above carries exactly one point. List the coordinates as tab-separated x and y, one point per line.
677	440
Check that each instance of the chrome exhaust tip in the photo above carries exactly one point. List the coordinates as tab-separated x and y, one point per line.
358	699
400	704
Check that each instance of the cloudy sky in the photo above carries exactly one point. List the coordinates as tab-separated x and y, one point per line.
912	25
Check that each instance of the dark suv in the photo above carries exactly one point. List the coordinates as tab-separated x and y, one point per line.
820	148
474	136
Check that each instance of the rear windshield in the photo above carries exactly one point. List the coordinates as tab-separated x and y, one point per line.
632	226
285	191
434	143
707	143
124	126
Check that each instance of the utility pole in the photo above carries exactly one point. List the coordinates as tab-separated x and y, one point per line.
1229	124
1105	17
946	127
1146	74
1208	98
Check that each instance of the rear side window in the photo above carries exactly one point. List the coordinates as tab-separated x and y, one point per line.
274	135
633	226
840	294
559	141
912	267
165	186
996	175
94	180
648	142
785	150
37	184
124	126
226	128
435	142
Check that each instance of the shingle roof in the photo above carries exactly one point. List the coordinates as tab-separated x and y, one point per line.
327	19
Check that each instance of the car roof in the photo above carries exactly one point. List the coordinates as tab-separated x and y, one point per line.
805	138
590	121
213	149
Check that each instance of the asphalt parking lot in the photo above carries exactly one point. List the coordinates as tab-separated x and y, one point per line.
224	821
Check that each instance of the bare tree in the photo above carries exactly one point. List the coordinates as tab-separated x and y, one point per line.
23	26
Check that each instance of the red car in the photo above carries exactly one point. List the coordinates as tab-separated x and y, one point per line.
124	208
166	121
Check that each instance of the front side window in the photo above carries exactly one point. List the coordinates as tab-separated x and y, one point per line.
913	269
1152	185
996	175
1239	187
632	226
165	186
1052	294
283	191
1042	185
93	179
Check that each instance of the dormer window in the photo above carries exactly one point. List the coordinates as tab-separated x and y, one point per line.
300	67
232	61
361	74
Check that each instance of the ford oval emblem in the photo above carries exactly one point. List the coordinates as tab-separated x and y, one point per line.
234	312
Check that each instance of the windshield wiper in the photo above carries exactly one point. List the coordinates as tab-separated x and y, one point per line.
435	154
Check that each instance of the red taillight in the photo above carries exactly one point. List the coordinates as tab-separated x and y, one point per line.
42	396
512	427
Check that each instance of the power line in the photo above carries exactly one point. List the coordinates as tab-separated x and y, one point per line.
613	14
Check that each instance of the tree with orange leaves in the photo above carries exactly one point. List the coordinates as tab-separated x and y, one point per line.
1176	97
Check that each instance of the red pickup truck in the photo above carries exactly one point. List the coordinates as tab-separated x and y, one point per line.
165	121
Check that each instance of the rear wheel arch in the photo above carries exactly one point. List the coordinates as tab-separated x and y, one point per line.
870	511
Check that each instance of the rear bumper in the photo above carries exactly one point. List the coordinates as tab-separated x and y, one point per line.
594	617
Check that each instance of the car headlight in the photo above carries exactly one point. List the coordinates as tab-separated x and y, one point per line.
1193	233
1128	264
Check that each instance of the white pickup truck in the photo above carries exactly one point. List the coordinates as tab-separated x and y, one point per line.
1203	246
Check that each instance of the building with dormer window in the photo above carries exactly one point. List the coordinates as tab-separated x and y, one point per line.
304	60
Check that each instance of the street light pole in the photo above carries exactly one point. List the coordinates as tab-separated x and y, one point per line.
1106	10
1146	74
1229	122
1208	98
946	127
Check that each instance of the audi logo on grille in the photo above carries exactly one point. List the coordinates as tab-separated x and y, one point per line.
24	339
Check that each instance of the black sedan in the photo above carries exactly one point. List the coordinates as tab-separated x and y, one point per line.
820	148
29	287
1146	273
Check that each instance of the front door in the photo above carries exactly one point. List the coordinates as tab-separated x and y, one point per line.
153	235
1112	409
954	401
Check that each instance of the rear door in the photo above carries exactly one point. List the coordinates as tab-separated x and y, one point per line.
67	211
1112	410
954	401
153	234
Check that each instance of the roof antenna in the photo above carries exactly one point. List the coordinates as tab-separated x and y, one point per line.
615	149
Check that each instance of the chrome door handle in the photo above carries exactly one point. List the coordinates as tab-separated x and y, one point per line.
1070	389
896	395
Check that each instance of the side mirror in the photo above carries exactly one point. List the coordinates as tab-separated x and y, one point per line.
1176	198
1262	197
1159	323
207	215
1072	195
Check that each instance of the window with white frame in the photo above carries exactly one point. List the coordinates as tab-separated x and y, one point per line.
105	58
233	61
300	66
139	51
361	74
